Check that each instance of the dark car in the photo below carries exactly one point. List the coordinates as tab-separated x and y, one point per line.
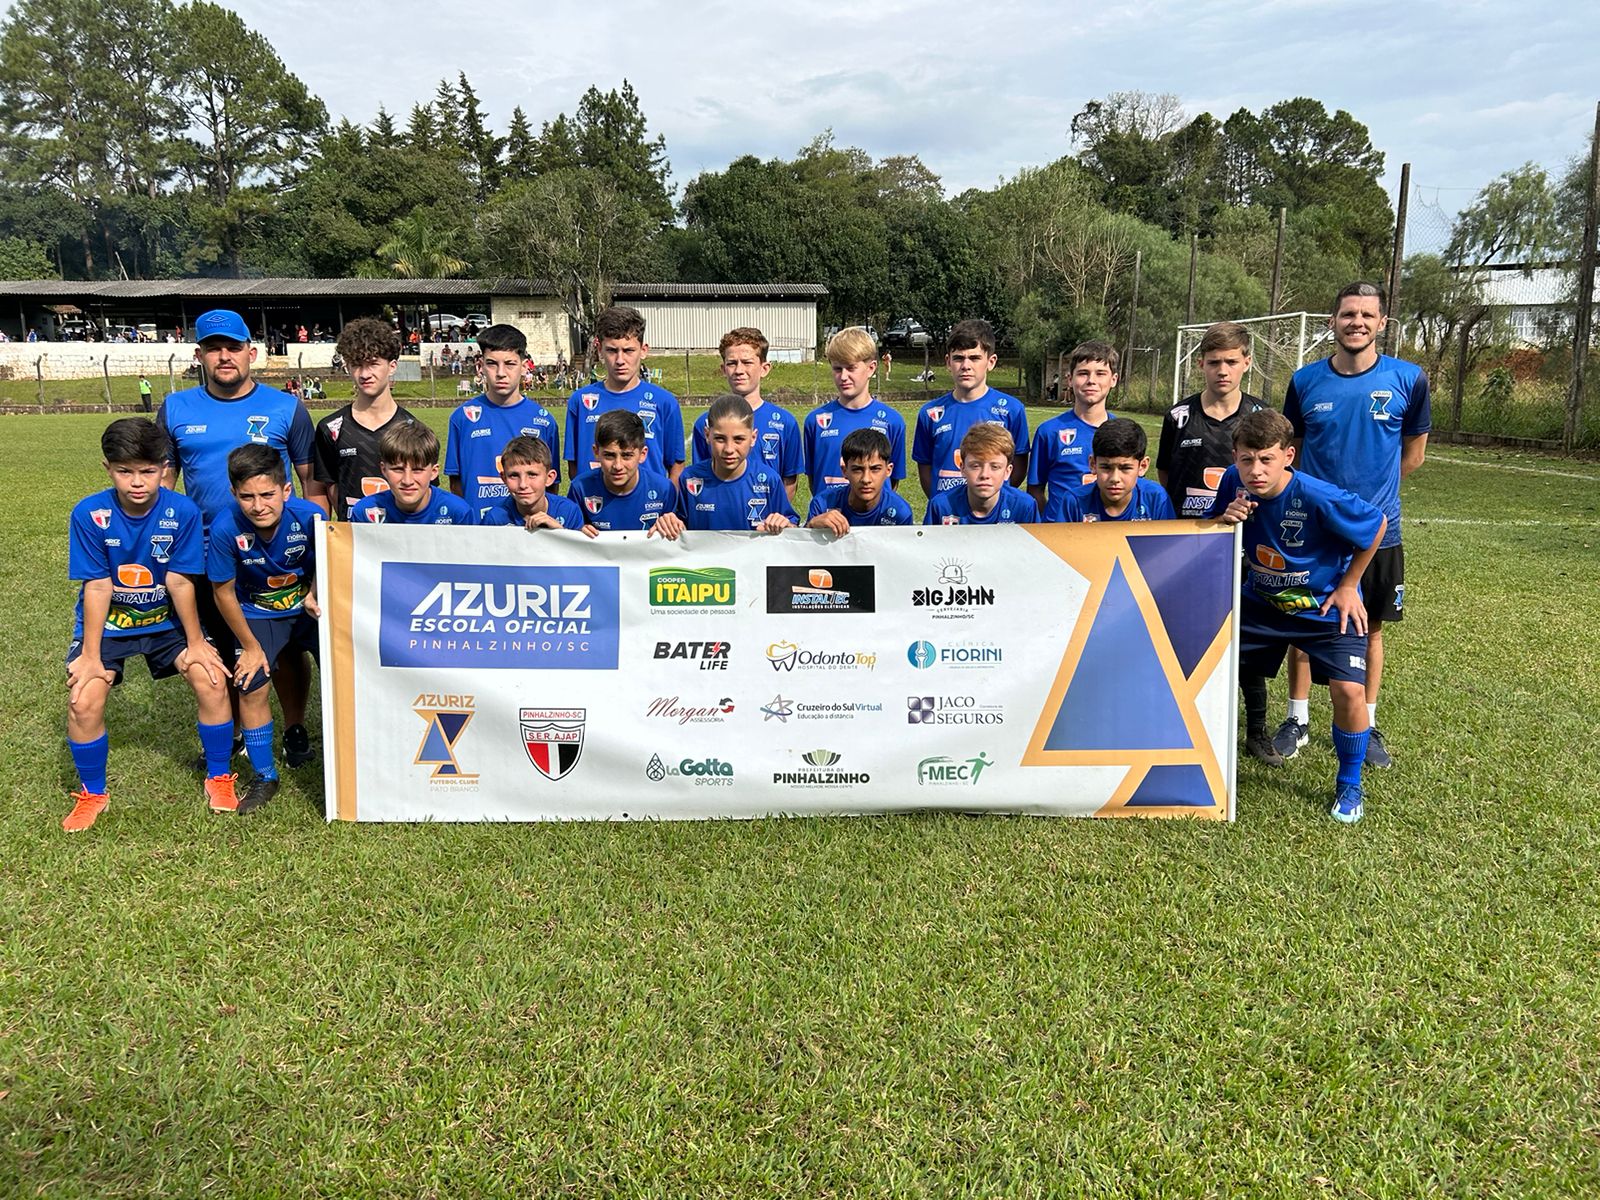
906	334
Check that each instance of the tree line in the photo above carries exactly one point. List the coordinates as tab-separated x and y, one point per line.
148	139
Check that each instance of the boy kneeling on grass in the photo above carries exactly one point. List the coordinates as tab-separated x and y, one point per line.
528	470
1306	543
867	499
263	569
134	546
623	493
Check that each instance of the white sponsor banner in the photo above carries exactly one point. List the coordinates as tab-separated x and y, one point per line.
492	674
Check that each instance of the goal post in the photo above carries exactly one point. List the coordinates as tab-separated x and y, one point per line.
1279	346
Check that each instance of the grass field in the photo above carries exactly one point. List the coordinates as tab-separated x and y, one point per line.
912	1006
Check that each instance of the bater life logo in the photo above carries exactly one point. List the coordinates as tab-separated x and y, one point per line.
821	589
447	718
553	738
503	618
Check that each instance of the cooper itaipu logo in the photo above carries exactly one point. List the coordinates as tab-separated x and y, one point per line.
704	587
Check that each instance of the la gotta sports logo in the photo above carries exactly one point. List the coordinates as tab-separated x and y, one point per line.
518	618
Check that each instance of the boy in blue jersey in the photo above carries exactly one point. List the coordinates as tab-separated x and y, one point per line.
1362	420
623	494
1119	492
744	366
987	498
942	423
485	423
731	491
866	499
854	357
619	333
1306	544
134	547
528	469
1061	445
408	456
263	569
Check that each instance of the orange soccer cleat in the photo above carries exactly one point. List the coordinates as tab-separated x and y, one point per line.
86	806
219	793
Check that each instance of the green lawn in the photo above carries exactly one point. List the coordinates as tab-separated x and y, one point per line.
934	1005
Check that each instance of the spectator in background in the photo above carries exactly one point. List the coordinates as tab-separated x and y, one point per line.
301	335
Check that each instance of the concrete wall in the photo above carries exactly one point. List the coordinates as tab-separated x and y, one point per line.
698	325
82	360
540	318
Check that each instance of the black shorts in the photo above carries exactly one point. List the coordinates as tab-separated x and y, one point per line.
160	650
275	635
1265	636
211	622
1383	585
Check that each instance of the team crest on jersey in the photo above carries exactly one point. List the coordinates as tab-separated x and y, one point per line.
648	416
1270	558
1067	436
769	445
693	486
245	541
936	413
950	519
256	429
1293	533
553	738
161	547
473	411
1380	405
589	399
334	426
376	515
824	420
592	503
101	518
755	508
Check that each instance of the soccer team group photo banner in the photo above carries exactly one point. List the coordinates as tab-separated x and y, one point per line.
474	674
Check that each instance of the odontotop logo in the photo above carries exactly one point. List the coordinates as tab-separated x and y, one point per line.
464	614
943	771
819	771
787	656
702	772
702	587
446	717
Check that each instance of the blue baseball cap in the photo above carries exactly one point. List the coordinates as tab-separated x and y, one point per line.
221	322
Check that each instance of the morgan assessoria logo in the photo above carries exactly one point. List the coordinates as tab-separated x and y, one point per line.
821	589
553	738
528	617
446	718
705	587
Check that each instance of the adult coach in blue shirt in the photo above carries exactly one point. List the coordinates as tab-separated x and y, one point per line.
1361	422
204	424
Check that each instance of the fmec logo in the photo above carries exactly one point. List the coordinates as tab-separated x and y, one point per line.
446	717
553	738
942	770
980	655
703	587
952	710
821	589
712	656
702	772
506	618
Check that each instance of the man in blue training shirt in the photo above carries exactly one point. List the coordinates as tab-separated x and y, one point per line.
262	566
134	546
942	423
1060	457
867	499
1362	420
729	491
620	332
1306	545
987	499
744	366
487	422
408	456
1120	492
853	356
528	468
622	494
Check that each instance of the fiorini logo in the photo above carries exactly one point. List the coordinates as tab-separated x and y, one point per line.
446	717
819	772
982	655
942	770
702	772
787	656
705	587
821	589
508	618
553	738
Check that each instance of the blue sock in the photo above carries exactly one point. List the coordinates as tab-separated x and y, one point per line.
90	759
1352	751
258	745
217	742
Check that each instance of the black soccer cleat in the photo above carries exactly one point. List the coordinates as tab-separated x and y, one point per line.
297	751
1259	747
257	794
1377	753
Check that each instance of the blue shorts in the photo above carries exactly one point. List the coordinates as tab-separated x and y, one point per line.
1265	635
277	634
160	650
212	623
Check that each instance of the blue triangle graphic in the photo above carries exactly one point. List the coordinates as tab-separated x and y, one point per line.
1173	785
1119	697
453	723
434	748
1191	578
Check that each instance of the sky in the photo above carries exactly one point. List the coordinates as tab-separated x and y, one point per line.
1462	90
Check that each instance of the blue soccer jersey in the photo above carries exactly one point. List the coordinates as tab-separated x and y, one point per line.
442	508
504	512
203	429
478	432
135	554
1149	502
778	444
706	502
654	405
652	494
1012	506
1061	449
270	578
1352	427
826	428
1298	545
942	424
891	509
